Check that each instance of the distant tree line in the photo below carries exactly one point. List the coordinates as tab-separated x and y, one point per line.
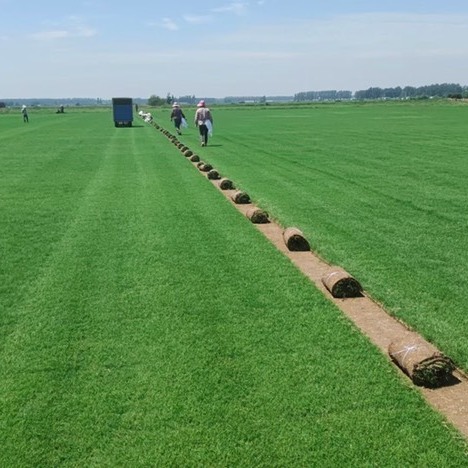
189	99
447	90
330	95
255	99
154	100
444	90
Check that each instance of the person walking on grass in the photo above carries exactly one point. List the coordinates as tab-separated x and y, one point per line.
177	116
204	122
24	111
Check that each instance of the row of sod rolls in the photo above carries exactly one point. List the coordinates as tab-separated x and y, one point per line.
423	363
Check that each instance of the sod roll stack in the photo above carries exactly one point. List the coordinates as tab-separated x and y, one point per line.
422	362
341	284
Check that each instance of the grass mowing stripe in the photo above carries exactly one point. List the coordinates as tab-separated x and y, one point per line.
378	189
168	331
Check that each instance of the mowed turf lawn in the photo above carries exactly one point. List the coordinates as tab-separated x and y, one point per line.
145	322
380	189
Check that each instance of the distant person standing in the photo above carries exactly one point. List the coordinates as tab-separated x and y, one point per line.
24	111
204	121
177	115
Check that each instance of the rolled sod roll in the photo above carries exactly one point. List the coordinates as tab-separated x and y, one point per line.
226	184
241	198
188	153
213	174
423	363
195	158
295	240
200	163
341	284
206	167
257	216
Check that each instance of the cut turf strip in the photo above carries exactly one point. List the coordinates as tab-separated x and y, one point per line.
424	364
240	198
342	285
226	184
295	240
257	216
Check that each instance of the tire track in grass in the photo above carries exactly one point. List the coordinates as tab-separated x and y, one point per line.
40	320
80	263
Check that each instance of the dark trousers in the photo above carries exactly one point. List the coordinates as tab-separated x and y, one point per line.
203	129
177	123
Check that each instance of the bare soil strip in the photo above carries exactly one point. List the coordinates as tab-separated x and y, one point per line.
371	319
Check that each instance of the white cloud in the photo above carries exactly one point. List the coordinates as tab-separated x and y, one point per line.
50	35
238	8
56	34
198	19
167	23
84	31
71	27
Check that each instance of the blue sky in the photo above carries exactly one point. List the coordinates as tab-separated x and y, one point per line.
104	48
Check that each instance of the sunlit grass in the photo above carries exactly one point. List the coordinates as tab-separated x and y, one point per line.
145	322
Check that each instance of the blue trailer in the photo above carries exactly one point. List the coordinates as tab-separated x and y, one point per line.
123	111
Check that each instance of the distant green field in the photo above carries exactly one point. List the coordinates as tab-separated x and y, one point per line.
380	189
145	322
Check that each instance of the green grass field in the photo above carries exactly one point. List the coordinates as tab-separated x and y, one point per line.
145	322
379	189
